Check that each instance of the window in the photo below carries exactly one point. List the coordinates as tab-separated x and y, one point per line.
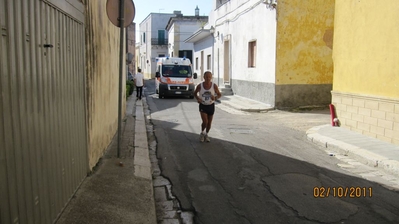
208	61
252	54
143	37
196	63
161	37
176	70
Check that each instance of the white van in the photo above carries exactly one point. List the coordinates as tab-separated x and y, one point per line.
174	77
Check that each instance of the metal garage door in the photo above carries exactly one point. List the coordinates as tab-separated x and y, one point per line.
43	150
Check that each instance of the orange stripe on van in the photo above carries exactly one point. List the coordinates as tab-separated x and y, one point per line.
169	81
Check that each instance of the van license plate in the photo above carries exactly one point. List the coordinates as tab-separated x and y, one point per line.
177	92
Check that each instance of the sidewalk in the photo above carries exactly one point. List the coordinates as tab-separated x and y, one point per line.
367	150
120	190
245	104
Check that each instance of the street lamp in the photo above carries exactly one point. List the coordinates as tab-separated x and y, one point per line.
212	30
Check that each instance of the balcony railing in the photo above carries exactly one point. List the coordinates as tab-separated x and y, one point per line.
157	41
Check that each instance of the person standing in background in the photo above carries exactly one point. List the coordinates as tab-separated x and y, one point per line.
139	81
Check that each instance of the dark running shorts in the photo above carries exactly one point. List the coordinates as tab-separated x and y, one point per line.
208	109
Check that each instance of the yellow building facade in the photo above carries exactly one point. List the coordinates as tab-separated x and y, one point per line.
102	69
304	67
366	69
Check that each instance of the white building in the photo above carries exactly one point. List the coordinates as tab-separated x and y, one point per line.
179	29
228	45
163	35
153	42
241	28
203	43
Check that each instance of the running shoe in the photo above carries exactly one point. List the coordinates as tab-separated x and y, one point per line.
207	139
202	137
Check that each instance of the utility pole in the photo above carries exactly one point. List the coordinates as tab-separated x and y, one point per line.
117	17
121	53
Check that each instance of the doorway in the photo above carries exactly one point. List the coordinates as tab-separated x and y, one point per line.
226	63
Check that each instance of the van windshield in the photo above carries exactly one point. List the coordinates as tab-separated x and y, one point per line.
176	71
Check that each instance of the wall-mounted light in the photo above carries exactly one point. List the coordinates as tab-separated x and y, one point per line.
212	31
271	4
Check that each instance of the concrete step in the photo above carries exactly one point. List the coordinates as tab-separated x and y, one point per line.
226	91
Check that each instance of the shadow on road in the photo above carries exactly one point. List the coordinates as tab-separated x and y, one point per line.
227	182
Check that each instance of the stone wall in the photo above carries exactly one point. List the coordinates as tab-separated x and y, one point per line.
373	116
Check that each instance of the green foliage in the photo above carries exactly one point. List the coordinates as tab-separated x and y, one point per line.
127	91
131	84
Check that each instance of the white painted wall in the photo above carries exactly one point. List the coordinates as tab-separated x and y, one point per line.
180	30
204	45
171	40
186	30
243	22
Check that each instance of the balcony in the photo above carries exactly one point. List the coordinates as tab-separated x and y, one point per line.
157	41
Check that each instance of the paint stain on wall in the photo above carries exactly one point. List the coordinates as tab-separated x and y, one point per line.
328	38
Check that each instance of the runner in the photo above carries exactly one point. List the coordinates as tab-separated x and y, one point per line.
206	99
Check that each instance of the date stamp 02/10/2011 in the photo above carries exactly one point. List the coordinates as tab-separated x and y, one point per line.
342	192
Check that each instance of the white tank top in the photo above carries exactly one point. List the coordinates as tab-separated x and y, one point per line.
206	94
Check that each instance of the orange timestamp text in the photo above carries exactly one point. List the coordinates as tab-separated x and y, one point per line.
342	192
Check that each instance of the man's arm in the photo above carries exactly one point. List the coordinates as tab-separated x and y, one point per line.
197	89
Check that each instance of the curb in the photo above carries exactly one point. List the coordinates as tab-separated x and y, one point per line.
142	162
258	110
360	154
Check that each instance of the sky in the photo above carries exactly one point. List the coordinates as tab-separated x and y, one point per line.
187	7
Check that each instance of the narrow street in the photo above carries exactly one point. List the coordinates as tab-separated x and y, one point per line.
260	168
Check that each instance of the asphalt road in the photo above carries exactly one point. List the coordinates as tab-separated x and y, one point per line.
260	168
